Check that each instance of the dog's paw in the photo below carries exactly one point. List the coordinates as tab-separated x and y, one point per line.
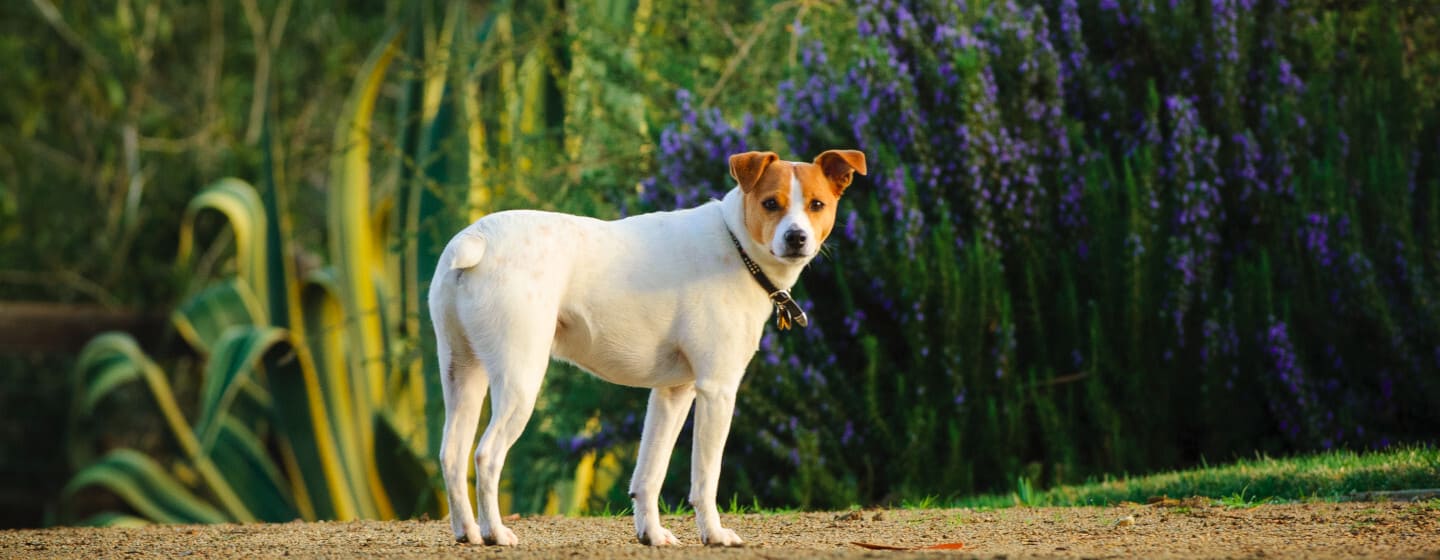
721	537
657	536
469	535
502	536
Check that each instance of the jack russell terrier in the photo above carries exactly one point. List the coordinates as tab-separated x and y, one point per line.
671	301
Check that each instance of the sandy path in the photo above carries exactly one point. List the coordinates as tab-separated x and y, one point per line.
1384	530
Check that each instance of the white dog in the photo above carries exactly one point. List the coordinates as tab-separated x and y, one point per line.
672	301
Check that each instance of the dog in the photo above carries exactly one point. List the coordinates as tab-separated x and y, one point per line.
671	301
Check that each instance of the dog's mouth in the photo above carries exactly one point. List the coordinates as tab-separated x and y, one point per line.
793	255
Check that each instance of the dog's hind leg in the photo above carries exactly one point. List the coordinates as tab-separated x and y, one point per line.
663	418
464	383
516	369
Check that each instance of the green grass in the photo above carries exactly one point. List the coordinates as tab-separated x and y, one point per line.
926	502
1326	476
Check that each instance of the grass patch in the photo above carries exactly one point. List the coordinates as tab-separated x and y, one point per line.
1325	476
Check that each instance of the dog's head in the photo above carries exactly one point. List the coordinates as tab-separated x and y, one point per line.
790	206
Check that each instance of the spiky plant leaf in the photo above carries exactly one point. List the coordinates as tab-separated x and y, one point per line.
319	481
241	454
324	318
245	213
358	260
110	361
403	471
145	486
201	318
232	367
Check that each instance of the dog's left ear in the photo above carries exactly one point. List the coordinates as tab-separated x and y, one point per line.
840	166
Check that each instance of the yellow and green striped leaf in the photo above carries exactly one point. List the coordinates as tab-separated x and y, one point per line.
241	455
201	318
245	212
318	478
145	486
359	260
232	367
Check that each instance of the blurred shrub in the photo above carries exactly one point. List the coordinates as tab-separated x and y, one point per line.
1107	237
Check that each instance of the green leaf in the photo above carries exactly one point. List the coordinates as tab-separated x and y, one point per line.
111	360
280	283
319	482
145	486
241	455
245	212
232	367
201	318
324	319
360	259
403	472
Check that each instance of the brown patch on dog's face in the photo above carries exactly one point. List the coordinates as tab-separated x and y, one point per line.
767	201
840	166
821	199
790	207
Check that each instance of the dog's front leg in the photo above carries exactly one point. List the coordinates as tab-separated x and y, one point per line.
663	419
714	406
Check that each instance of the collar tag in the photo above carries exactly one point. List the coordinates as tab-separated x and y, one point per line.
787	311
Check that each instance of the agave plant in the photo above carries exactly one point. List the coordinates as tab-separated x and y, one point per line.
310	404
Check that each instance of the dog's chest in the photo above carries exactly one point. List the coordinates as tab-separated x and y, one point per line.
610	355
648	338
650	319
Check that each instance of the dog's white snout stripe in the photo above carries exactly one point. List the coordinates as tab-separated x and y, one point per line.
794	220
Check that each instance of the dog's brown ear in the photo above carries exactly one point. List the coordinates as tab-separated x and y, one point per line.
747	168
840	166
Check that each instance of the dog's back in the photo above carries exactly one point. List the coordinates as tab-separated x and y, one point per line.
613	292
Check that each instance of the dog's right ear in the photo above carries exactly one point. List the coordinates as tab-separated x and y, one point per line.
747	168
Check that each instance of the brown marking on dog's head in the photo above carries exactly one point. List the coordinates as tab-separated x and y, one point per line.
749	167
799	199
840	166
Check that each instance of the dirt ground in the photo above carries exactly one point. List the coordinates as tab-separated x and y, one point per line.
1174	530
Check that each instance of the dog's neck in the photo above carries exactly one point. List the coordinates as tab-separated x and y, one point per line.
783	274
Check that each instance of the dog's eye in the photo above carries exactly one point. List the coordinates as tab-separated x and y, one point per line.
816	205
771	204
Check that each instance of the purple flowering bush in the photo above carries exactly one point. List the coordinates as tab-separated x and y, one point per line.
1095	237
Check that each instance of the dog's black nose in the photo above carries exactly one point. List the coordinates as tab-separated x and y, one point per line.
795	239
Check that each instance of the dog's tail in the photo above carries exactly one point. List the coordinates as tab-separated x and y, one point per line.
466	250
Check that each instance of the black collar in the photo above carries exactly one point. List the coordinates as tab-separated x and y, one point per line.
786	310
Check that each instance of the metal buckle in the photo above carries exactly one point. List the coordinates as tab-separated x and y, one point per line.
787	311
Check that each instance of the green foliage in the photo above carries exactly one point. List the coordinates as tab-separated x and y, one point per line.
1095	237
115	115
225	432
341	452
